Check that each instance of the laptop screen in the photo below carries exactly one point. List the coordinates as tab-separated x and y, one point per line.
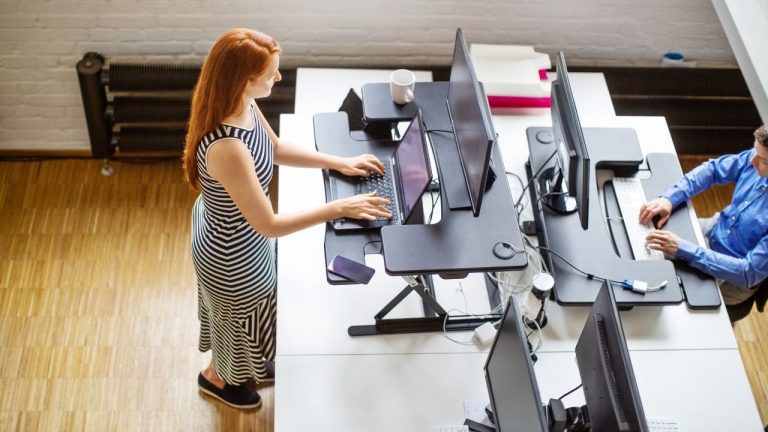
412	166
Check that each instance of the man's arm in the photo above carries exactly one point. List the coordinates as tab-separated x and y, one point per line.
725	169
744	272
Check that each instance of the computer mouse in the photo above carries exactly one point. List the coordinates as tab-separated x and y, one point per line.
656	220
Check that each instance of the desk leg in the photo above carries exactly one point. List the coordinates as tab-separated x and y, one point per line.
428	323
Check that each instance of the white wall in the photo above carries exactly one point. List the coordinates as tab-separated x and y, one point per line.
41	40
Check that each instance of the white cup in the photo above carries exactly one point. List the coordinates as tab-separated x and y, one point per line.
401	85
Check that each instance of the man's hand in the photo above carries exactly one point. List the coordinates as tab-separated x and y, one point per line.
660	207
664	241
360	165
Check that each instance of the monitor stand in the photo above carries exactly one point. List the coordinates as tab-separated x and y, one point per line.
552	185
559	419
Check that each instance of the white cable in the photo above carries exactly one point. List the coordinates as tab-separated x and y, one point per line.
445	332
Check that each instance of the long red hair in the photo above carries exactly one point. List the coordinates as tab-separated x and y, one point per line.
238	55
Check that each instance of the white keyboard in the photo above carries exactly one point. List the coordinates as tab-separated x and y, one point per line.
451	428
631	196
663	425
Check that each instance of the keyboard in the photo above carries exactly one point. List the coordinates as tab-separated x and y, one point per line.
631	196
662	425
451	428
384	185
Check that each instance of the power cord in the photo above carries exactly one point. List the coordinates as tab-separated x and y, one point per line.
569	392
440	130
518	209
637	286
540	341
533	177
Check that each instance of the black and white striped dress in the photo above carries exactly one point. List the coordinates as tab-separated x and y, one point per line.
235	267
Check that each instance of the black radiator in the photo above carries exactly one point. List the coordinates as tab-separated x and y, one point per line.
135	107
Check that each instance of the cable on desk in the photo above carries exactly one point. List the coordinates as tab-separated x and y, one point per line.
434	200
533	177
636	286
542	264
521	285
440	130
571	391
588	275
540	334
518	209
445	332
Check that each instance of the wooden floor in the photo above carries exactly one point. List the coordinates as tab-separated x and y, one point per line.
98	325
98	306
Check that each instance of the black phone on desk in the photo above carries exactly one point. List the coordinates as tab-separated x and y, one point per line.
350	269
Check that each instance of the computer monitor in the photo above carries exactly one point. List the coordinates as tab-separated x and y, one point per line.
565	187
471	119
610	389
512	386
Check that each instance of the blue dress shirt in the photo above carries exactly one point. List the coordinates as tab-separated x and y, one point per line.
739	239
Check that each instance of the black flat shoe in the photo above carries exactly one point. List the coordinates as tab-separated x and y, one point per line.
237	396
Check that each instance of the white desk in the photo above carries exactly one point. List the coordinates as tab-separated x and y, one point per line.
314	315
415	392
323	90
330	381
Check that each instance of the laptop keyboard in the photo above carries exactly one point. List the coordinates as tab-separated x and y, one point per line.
384	185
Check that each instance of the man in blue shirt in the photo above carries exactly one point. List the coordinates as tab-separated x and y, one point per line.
737	236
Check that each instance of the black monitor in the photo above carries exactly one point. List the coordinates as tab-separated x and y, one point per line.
471	119
610	389
512	386
565	187
609	386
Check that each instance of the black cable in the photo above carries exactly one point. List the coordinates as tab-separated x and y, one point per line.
434	201
533	177
543	263
522	186
440	130
574	389
588	275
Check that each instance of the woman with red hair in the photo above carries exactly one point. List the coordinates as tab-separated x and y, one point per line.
229	153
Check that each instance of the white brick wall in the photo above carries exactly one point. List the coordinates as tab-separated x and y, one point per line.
41	40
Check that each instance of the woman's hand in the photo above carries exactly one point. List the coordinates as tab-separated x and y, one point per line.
660	207
664	241
368	206
360	165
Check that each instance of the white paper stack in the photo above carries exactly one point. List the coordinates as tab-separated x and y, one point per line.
512	75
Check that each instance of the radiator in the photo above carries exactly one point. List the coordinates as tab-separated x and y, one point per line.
135	107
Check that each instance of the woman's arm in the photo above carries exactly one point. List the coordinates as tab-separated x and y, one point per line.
230	163
292	155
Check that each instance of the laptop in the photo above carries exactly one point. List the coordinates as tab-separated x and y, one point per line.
407	175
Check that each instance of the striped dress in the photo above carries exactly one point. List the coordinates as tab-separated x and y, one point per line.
235	267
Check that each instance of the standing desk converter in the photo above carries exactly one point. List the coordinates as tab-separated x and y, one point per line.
604	252
459	243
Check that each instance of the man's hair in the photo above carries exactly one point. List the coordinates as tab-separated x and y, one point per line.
761	136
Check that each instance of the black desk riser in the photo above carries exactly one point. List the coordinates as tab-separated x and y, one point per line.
458	244
603	249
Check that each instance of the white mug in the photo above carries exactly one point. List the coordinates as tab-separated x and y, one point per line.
401	85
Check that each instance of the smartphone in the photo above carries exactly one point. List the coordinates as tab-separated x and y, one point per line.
352	270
